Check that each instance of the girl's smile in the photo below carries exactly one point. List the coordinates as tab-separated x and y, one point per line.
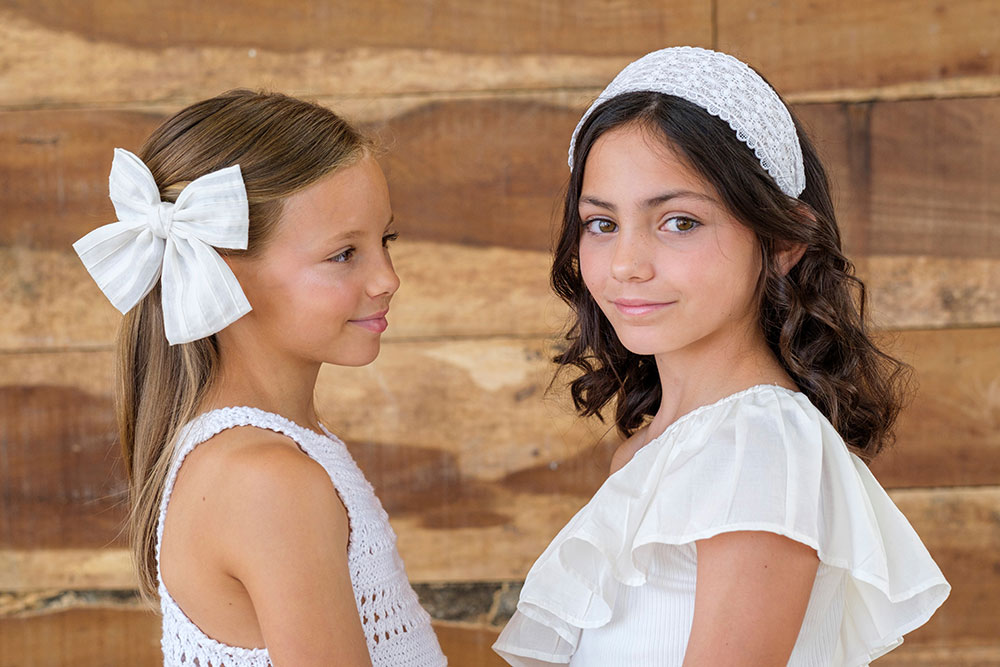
376	323
639	307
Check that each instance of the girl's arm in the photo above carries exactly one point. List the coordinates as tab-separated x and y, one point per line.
752	591
288	547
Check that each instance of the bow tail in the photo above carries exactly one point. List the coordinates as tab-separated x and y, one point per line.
201	296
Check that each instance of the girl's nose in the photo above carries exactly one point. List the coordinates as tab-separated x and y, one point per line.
384	282
632	259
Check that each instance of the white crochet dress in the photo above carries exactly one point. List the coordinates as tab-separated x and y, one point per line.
397	628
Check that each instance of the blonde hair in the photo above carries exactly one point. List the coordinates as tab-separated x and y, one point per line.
282	145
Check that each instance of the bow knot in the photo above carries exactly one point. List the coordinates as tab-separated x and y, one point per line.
161	219
200	294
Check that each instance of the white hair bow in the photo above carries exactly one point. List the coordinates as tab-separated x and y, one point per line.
172	242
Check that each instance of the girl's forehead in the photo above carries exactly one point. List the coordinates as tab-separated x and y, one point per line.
637	158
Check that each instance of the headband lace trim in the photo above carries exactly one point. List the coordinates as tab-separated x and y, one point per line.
726	88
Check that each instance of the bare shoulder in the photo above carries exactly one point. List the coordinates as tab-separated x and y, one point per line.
627	449
257	487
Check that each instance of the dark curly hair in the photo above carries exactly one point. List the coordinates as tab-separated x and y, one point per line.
813	317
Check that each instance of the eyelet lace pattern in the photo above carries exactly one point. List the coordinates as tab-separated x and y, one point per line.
726	88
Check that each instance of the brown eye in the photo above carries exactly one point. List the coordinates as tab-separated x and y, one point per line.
600	226
679	224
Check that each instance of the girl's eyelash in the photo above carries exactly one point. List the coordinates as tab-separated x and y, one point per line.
588	225
694	224
346	254
343	256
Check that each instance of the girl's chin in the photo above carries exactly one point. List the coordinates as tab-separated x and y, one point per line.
642	346
356	358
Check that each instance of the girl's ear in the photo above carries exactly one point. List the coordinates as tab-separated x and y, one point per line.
788	256
789	253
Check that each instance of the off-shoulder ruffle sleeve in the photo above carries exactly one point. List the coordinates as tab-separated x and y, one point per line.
764	459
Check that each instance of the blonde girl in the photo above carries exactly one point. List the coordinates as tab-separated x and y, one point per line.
251	247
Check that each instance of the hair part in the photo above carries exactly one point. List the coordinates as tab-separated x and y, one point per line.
282	145
813	316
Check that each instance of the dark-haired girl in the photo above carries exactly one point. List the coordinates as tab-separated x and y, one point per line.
717	317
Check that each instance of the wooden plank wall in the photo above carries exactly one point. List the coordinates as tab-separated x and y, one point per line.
477	464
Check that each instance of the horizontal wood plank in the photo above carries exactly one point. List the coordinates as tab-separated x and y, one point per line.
451	290
493	190
949	434
95	637
919	150
848	45
94	55
490	172
87	637
959	527
468	645
436	438
83	637
457	437
510	28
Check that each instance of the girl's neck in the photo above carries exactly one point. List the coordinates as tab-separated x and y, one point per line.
691	378
261	379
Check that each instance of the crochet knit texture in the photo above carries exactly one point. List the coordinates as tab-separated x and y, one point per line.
397	628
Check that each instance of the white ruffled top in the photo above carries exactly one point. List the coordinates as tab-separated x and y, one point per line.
616	585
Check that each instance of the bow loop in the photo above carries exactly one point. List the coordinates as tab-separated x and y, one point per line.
174	243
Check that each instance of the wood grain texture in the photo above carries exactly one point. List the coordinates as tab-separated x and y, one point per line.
468	645
960	527
95	637
437	439
518	26
86	637
106	54
475	173
918	151
451	290
468	171
950	433
447	290
837	46
460	439
490	172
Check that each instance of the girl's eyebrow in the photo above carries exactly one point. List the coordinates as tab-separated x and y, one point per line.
652	201
357	233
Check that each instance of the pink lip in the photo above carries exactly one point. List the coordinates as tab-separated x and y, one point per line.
638	307
375	323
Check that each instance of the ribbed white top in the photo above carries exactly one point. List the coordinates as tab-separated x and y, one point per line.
397	628
638	635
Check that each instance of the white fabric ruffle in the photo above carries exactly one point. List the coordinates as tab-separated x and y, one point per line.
763	459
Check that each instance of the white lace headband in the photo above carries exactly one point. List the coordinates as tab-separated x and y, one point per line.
173	242
726	88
